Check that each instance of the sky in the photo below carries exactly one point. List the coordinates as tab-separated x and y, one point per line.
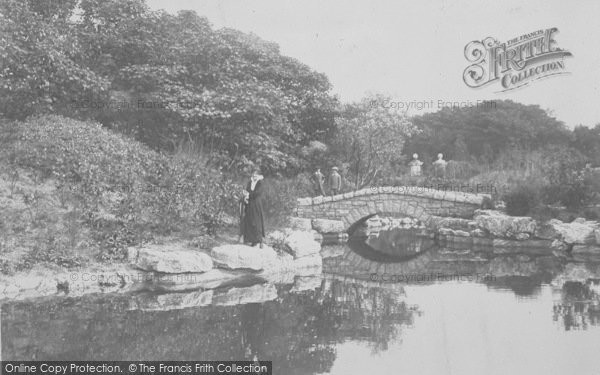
413	51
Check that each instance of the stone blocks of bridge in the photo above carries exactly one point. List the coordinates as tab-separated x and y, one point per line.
395	201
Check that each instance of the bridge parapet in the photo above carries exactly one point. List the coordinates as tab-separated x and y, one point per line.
417	202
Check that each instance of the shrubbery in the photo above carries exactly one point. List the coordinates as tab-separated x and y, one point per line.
521	200
281	195
119	189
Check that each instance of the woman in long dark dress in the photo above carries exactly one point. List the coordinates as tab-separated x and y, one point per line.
253	225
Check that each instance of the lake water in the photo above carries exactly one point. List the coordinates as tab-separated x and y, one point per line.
384	305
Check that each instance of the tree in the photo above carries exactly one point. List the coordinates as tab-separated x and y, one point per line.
370	139
587	141
486	130
40	65
165	79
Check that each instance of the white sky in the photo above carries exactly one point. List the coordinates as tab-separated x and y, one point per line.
414	50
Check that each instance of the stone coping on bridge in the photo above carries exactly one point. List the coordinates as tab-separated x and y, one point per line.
412	191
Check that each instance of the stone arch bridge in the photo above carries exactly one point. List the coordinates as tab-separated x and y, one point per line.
421	203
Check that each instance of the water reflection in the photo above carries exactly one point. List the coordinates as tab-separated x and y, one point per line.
579	307
392	244
297	331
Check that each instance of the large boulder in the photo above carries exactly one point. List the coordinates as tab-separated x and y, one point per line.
328	226
173	261
581	233
302	244
501	225
238	256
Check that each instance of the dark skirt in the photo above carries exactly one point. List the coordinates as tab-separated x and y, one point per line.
253	224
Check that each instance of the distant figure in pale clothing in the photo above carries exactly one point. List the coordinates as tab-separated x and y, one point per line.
318	181
439	166
335	181
415	166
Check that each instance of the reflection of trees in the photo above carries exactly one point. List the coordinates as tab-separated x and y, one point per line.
374	315
580	306
298	332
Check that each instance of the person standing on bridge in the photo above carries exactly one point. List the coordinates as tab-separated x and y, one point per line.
335	181
318	180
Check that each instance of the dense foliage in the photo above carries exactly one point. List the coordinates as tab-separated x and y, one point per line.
483	133
163	78
119	189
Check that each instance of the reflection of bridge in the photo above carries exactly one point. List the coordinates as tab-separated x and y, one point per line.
417	202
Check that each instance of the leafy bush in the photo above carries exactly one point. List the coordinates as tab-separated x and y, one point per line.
521	200
461	170
122	191
568	183
280	197
84	153
191	195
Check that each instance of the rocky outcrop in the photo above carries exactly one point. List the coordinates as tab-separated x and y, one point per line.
175	268
499	224
438	222
239	256
46	282
172	261
577	232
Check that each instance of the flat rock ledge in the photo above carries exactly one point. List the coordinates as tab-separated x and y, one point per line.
158	259
165	269
239	256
